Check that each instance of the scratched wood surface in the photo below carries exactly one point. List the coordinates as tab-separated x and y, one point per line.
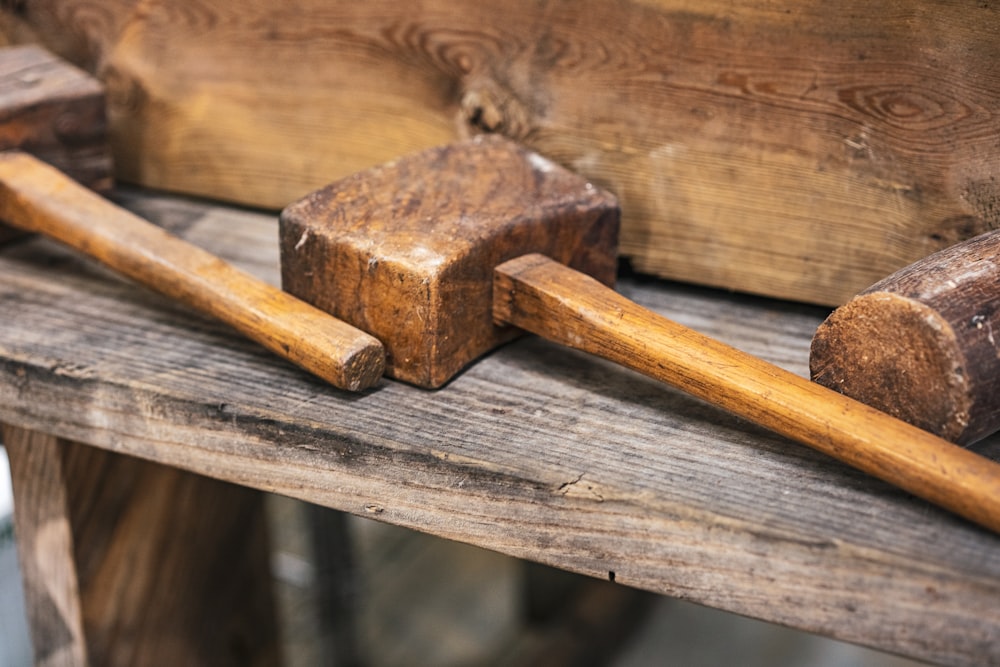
536	451
795	149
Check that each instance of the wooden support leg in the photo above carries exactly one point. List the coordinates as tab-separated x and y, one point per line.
576	620
127	562
336	594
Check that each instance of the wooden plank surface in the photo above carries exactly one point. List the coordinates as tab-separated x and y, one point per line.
535	452
795	149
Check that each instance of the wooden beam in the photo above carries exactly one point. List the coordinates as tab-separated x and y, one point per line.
798	150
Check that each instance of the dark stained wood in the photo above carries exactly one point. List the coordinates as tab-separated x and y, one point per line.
55	110
335	588
591	626
35	197
404	251
128	562
796	149
535	451
924	343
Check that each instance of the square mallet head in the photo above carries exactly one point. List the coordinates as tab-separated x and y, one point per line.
406	250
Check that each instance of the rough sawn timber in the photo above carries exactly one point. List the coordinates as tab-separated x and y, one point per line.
796	149
534	451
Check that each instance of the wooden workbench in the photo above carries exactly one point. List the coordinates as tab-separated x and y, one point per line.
535	451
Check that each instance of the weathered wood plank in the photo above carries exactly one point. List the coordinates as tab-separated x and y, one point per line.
535	452
802	150
128	562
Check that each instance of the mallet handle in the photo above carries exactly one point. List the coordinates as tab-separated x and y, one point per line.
541	296
39	198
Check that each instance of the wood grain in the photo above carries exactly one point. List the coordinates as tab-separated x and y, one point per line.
560	304
38	198
535	451
127	562
405	251
922	344
801	150
55	110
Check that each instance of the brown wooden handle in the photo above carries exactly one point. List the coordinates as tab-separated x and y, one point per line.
924	343
539	295
38	198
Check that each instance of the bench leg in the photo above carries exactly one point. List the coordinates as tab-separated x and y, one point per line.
128	562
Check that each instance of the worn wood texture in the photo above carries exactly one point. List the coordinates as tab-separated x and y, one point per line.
796	149
35	197
126	562
57	112
547	298
405	251
924	343
535	451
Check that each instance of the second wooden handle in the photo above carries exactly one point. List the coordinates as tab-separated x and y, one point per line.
539	295
38	198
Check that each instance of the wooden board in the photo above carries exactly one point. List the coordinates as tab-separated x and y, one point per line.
799	149
535	451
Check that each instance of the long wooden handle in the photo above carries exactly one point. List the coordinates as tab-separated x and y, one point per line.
38	198
539	295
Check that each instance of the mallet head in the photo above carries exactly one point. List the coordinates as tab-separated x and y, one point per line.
406	250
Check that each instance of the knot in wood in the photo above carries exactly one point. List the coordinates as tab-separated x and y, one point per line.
487	107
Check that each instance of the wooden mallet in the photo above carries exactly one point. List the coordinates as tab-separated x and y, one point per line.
924	343
442	254
46	105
